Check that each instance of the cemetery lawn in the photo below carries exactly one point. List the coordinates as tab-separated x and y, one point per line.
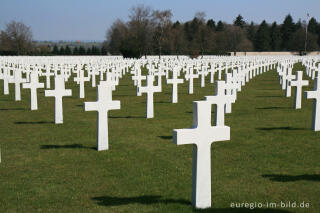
273	154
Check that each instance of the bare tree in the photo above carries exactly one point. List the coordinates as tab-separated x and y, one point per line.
201	16
162	20
141	28
17	38
115	37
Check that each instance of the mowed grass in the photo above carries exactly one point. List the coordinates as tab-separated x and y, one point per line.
273	154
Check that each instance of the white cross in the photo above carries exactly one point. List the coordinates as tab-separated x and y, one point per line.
284	79
58	93
316	105
33	86
17	81
150	89
138	78
190	76
212	72
48	74
201	135
298	83
203	74
92	72
220	99
175	81
289	78
231	89
111	80
159	75
7	78
81	79
103	104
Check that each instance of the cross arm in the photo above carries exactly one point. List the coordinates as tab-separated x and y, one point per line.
114	105
311	94
68	92
26	86
49	93
184	136
90	106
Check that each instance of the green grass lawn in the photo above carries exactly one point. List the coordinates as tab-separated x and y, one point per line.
273	154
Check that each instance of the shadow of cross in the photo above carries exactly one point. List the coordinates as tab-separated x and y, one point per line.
291	178
145	199
67	146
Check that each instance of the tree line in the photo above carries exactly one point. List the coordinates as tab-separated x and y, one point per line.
152	32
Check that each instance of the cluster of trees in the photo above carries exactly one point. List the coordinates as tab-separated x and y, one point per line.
78	50
16	39
152	32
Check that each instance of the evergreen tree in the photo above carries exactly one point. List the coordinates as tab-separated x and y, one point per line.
275	37
287	30
220	26
312	26
61	51
251	31
88	52
211	24
239	21
298	25
82	51
95	50
67	51
103	50
55	50
75	51
176	24
262	38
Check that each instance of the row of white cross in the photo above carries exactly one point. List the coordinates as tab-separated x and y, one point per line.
202	133
287	80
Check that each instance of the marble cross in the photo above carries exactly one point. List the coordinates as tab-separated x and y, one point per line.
81	79
175	81
298	84
203	74
201	135
231	89
315	94
190	76
7	78
289	78
150	89
58	94
220	99
48	74
17	82
138	78
92	72
103	104
33	85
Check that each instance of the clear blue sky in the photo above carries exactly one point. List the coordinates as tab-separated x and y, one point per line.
90	19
